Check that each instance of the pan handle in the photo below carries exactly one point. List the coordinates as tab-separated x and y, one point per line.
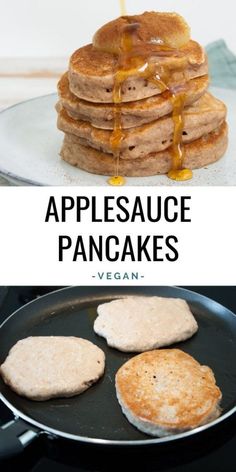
14	437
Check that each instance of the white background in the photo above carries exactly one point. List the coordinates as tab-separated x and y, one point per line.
29	251
58	27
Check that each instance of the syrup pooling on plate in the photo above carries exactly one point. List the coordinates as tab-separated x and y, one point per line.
133	59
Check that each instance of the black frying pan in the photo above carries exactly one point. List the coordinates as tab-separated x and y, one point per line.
95	417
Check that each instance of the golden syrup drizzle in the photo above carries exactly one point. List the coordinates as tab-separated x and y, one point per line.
132	61
129	64
177	150
123	8
118	134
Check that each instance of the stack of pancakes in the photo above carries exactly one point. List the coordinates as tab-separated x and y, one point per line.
148	112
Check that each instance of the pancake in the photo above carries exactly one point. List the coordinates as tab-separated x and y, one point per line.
139	93
133	114
137	324
201	118
162	28
43	367
166	392
92	73
199	153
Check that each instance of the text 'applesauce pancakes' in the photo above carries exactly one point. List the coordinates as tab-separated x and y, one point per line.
135	102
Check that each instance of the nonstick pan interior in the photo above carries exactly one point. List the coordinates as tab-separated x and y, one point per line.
96	413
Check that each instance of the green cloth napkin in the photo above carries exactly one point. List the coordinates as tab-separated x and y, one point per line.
222	64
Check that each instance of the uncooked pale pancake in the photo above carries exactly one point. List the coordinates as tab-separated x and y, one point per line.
136	324
92	73
201	118
44	367
133	114
167	391
199	153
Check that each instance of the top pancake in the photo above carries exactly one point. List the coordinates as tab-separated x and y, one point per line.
151	27
92	72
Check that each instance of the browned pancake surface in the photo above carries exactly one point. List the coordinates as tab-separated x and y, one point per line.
92	73
168	389
149	29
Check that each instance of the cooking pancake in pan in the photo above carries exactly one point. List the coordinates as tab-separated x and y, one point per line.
166	391
137	324
95	415
44	367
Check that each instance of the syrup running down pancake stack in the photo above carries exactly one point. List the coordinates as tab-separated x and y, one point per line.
135	102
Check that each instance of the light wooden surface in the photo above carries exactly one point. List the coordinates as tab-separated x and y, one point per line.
25	78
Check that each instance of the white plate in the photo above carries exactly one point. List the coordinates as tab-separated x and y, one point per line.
30	145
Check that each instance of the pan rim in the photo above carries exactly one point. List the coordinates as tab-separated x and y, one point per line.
98	441
44	429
